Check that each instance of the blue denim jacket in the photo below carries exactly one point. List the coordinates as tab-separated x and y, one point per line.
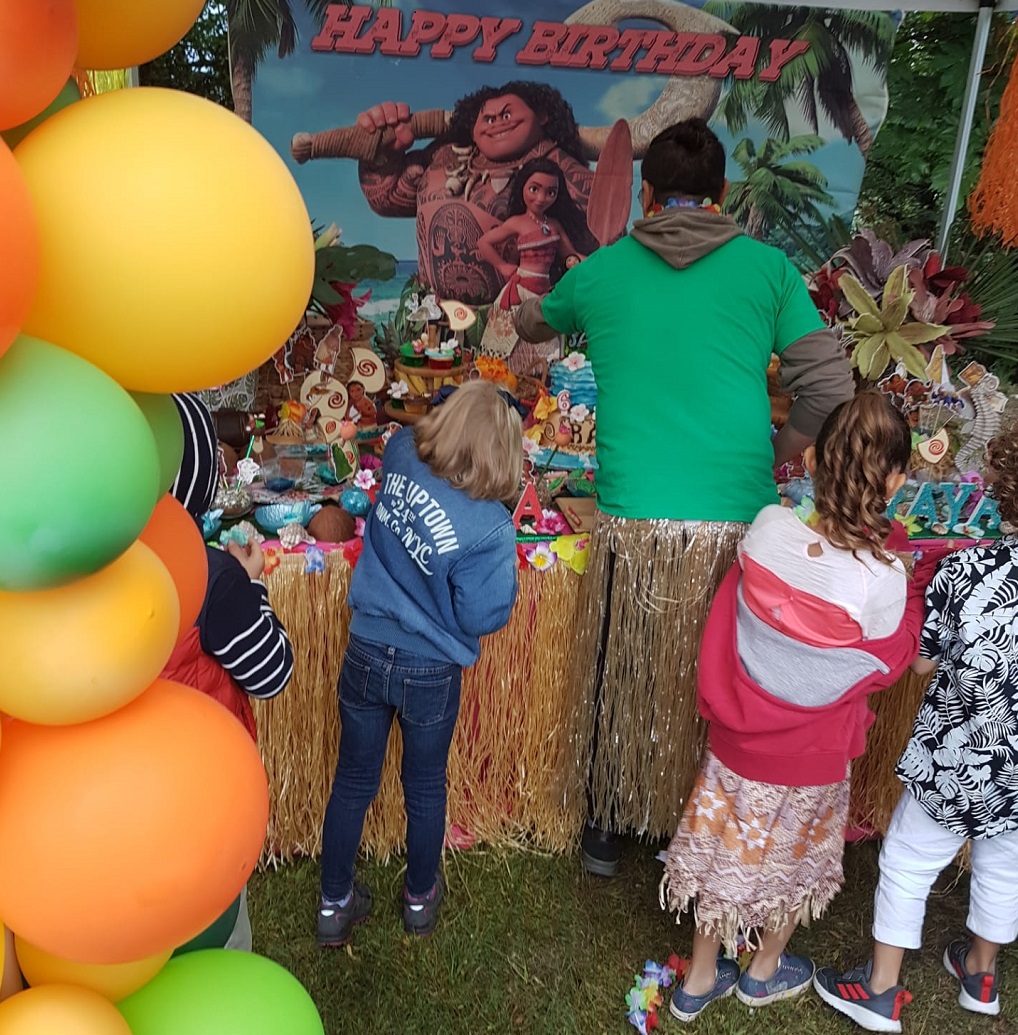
438	569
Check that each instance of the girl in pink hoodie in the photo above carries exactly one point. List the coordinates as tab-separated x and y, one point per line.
815	615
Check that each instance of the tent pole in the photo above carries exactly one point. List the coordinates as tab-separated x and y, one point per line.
968	109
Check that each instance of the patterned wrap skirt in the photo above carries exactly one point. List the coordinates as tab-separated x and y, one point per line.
753	856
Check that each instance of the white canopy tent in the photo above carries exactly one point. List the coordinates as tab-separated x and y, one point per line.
984	11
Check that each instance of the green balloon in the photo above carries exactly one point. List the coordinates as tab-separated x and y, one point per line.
79	470
215	936
68	95
222	992
164	419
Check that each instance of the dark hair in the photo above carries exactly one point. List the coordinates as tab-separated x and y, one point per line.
565	210
543	99
685	160
861	444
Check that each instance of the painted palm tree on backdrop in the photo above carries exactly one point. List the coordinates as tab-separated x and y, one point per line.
256	27
820	79
777	192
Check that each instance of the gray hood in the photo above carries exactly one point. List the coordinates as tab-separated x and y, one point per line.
681	236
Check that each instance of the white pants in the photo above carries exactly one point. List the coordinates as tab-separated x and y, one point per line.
915	852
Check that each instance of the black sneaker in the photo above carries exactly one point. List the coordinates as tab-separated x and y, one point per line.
978	992
420	912
850	994
336	923
601	851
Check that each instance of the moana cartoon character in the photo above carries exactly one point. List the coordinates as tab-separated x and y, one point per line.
457	187
542	225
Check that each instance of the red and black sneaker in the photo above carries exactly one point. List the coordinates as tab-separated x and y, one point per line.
850	994
978	992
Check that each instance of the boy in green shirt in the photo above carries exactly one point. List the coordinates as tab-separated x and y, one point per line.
681	319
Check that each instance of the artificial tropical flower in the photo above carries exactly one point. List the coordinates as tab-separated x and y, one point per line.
399	389
573	550
579	413
575	361
540	556
545	407
882	335
364	480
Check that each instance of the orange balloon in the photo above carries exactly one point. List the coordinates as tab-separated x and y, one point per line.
38	44
174	537
149	820
19	243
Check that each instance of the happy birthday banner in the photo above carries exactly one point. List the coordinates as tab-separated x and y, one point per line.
405	126
363	30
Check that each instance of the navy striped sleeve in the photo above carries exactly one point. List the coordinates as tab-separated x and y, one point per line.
196	481
239	628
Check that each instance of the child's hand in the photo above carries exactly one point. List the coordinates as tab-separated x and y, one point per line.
506	270
251	558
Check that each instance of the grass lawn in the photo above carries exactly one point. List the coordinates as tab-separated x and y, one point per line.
530	944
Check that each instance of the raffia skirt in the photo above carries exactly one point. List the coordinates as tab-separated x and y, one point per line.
636	736
753	856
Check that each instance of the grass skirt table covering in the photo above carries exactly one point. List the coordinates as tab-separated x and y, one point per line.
516	749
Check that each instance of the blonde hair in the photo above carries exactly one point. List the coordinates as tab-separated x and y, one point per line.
474	441
861	444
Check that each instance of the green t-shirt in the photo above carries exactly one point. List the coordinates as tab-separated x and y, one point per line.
680	358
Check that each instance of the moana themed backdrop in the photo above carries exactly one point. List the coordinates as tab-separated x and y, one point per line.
405	126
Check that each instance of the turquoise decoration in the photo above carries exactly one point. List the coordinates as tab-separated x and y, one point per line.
945	503
211	522
355	502
924	506
278	515
233	535
986	514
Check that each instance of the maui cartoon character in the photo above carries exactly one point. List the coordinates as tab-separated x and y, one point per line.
541	229
458	186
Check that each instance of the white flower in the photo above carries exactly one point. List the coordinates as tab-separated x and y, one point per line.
579	413
247	471
398	389
575	361
530	447
413	302
364	480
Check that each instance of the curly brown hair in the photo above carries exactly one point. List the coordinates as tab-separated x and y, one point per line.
1002	465
545	100
861	444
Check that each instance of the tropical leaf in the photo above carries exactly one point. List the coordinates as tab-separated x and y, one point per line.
913	360
917	333
858	297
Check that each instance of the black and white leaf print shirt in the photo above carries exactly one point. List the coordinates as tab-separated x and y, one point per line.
961	763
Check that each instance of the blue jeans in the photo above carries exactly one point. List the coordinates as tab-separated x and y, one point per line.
377	683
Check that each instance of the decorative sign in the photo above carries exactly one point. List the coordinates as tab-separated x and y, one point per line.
450	104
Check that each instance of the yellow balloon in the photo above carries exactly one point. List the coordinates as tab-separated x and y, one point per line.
86	649
122	33
192	258
113	981
62	1009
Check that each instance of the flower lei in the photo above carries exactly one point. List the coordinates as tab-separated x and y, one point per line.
645	997
673	203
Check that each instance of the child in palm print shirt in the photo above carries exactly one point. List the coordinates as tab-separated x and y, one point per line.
960	771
